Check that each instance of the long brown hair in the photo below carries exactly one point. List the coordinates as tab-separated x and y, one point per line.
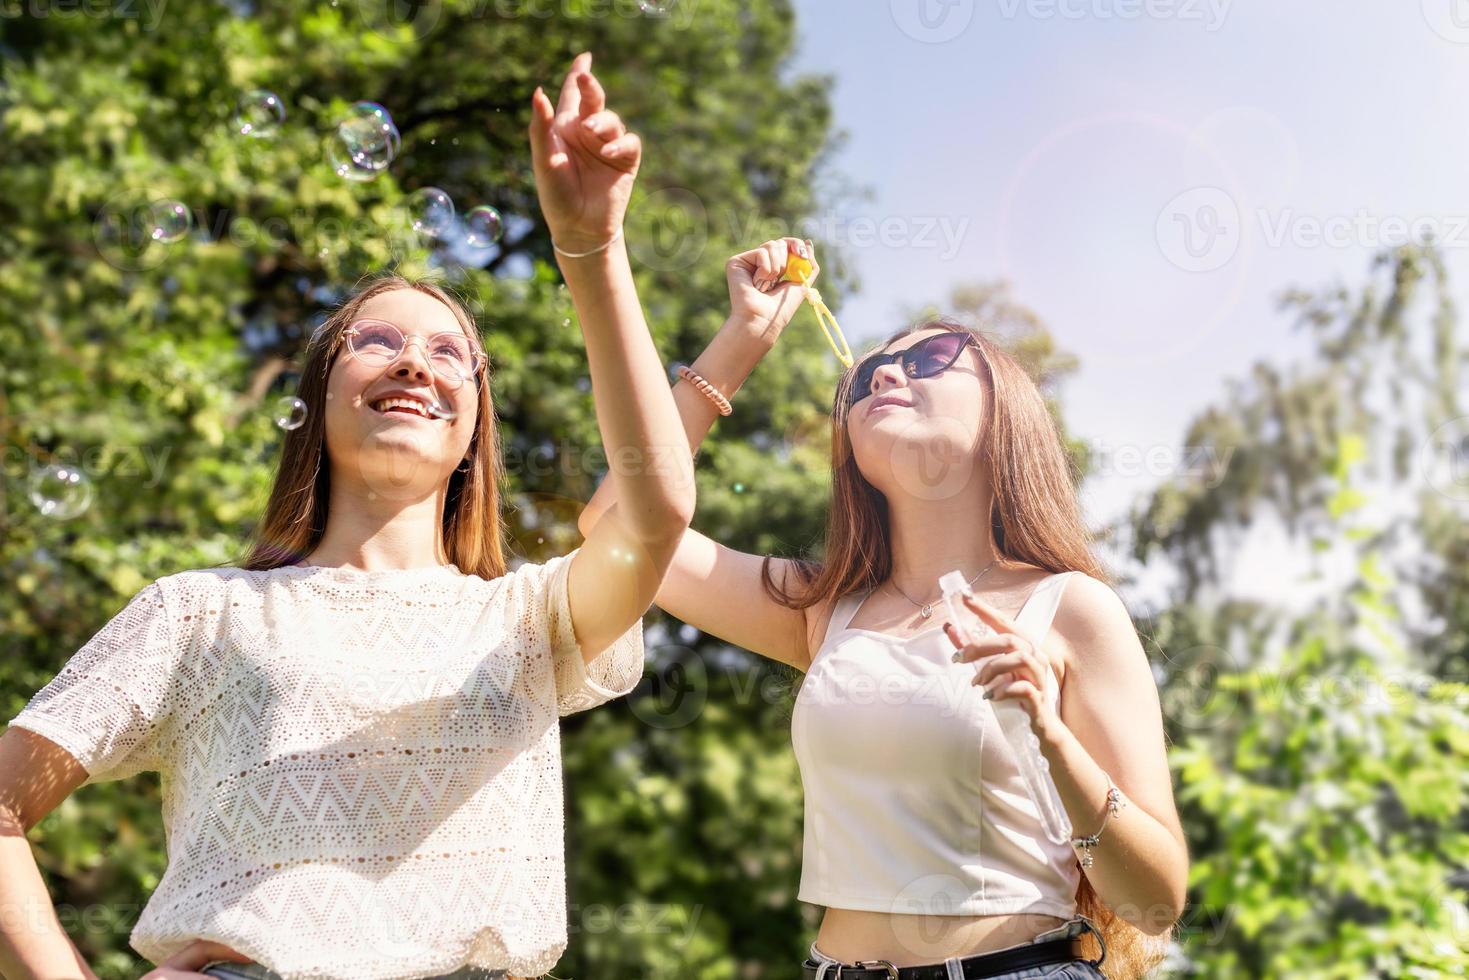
473	529
1035	517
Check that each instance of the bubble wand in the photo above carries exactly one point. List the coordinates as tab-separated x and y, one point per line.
798	270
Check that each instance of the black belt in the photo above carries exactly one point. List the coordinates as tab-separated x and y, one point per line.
972	967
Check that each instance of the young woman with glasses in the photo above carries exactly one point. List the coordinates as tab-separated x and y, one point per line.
920	840
357	728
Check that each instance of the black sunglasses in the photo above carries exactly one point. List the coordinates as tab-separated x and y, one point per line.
930	356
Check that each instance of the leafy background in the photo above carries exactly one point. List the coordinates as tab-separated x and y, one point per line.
1327	821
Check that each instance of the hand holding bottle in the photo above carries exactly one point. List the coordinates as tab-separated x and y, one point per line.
1018	681
1010	667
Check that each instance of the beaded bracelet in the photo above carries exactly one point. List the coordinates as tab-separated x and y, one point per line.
708	390
1115	803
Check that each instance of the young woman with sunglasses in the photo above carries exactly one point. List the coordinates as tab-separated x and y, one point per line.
357	728
920	841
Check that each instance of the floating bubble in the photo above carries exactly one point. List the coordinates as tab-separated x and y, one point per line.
739	488
168	221
483	226
124	235
655	8
431	212
60	491
290	412
365	142
566	322
260	114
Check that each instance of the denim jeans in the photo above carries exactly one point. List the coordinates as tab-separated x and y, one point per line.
1075	970
227	970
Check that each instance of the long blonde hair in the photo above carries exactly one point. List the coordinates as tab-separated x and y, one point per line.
1035	517
473	529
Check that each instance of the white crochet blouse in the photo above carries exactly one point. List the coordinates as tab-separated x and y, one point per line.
361	771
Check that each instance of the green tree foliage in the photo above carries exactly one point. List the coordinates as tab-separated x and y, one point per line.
1321	753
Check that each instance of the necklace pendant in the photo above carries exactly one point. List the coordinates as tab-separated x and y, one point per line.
927	611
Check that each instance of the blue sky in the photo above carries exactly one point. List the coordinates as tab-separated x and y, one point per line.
1149	174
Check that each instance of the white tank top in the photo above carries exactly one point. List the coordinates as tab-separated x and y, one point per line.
914	801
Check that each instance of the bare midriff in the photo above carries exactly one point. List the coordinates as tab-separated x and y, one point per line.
850	935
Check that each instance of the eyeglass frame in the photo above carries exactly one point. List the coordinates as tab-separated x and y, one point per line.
902	358
480	359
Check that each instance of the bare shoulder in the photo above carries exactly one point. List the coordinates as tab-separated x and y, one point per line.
1091	624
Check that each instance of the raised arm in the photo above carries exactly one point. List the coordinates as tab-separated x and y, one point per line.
715	588
585	164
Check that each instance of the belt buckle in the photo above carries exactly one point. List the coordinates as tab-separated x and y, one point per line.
865	964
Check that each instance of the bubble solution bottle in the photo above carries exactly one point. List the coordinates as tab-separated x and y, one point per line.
1013	719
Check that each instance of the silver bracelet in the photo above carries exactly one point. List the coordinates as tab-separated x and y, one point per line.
581	255
1115	803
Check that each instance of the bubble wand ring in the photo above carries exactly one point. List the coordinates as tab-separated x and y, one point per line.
798	270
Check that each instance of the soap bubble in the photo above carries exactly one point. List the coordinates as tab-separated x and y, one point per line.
656	8
431	212
260	114
133	234
364	143
60	491
290	412
483	226
168	221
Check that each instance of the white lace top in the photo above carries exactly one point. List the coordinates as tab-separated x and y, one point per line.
361	771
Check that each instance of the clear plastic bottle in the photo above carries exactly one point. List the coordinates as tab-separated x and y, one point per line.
1013	719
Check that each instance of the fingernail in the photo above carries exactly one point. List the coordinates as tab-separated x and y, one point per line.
958	656
988	694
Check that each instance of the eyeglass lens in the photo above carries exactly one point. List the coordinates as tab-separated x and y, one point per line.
376	342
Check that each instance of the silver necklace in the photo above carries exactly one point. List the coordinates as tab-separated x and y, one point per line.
927	607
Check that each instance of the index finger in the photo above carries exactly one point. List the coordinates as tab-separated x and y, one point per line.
991	616
570	100
749	259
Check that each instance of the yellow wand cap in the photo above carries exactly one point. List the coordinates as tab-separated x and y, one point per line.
798	268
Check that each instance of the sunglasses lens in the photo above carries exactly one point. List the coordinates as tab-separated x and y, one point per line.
935	354
862	383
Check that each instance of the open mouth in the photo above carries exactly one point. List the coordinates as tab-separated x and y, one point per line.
407	406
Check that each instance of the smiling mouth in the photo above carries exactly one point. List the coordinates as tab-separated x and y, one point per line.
409	407
878	408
